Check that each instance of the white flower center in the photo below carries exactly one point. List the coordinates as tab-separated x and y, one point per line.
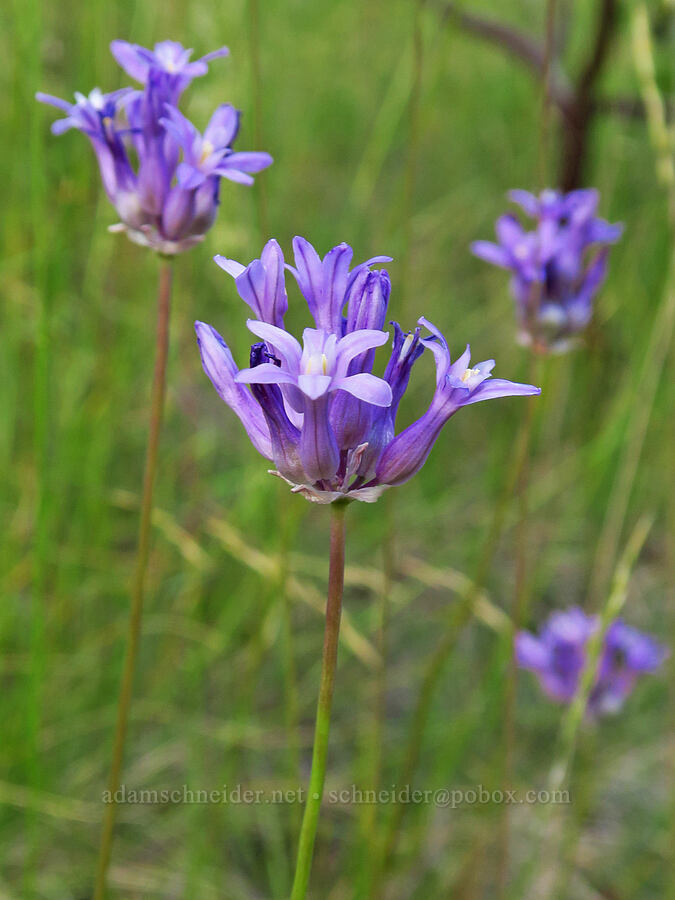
469	374
207	150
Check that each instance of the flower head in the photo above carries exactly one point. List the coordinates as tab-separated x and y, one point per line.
558	657
139	136
315	408
557	268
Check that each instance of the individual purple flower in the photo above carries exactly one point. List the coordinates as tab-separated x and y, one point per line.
211	154
163	202
168	57
558	657
557	268
327	422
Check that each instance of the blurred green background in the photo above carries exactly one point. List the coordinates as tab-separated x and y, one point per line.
400	134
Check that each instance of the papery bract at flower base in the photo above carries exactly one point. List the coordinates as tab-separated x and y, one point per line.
329	422
139	136
558	657
557	268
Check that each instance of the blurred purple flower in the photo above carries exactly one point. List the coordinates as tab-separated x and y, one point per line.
316	409
557	268
168	57
558	657
163	203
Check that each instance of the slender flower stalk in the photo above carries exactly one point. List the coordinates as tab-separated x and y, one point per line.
336	574
138	585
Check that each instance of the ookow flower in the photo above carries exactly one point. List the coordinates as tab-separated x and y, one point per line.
557	268
315	408
138	137
558	657
169	57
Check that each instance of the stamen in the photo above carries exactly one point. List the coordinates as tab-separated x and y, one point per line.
407	343
207	150
468	374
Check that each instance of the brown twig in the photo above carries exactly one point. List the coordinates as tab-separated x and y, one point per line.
575	99
529	51
577	130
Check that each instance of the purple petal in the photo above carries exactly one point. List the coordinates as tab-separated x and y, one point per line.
334	273
357	342
281	340
221	369
491	253
461	364
509	230
527	202
188	177
181	129
234	175
308	272
366	387
318	447
602	232
223	126
438	346
61	126
530	652
54	101
265	373
230	266
246	162
314	386
215	54
128	56
499	387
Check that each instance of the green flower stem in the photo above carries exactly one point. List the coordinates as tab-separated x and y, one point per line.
138	584
330	647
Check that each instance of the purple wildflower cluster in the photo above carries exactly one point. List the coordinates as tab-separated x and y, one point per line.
316	409
159	172
557	268
558	657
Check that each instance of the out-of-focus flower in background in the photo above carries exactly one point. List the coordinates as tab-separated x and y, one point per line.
316	409
557	268
138	137
558	656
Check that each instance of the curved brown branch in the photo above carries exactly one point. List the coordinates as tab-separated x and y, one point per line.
521	46
576	101
576	134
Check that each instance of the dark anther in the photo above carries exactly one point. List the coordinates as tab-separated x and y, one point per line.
260	354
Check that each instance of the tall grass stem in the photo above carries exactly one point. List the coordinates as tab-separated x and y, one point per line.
257	101
138	583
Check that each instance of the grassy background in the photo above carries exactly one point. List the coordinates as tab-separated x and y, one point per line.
213	701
